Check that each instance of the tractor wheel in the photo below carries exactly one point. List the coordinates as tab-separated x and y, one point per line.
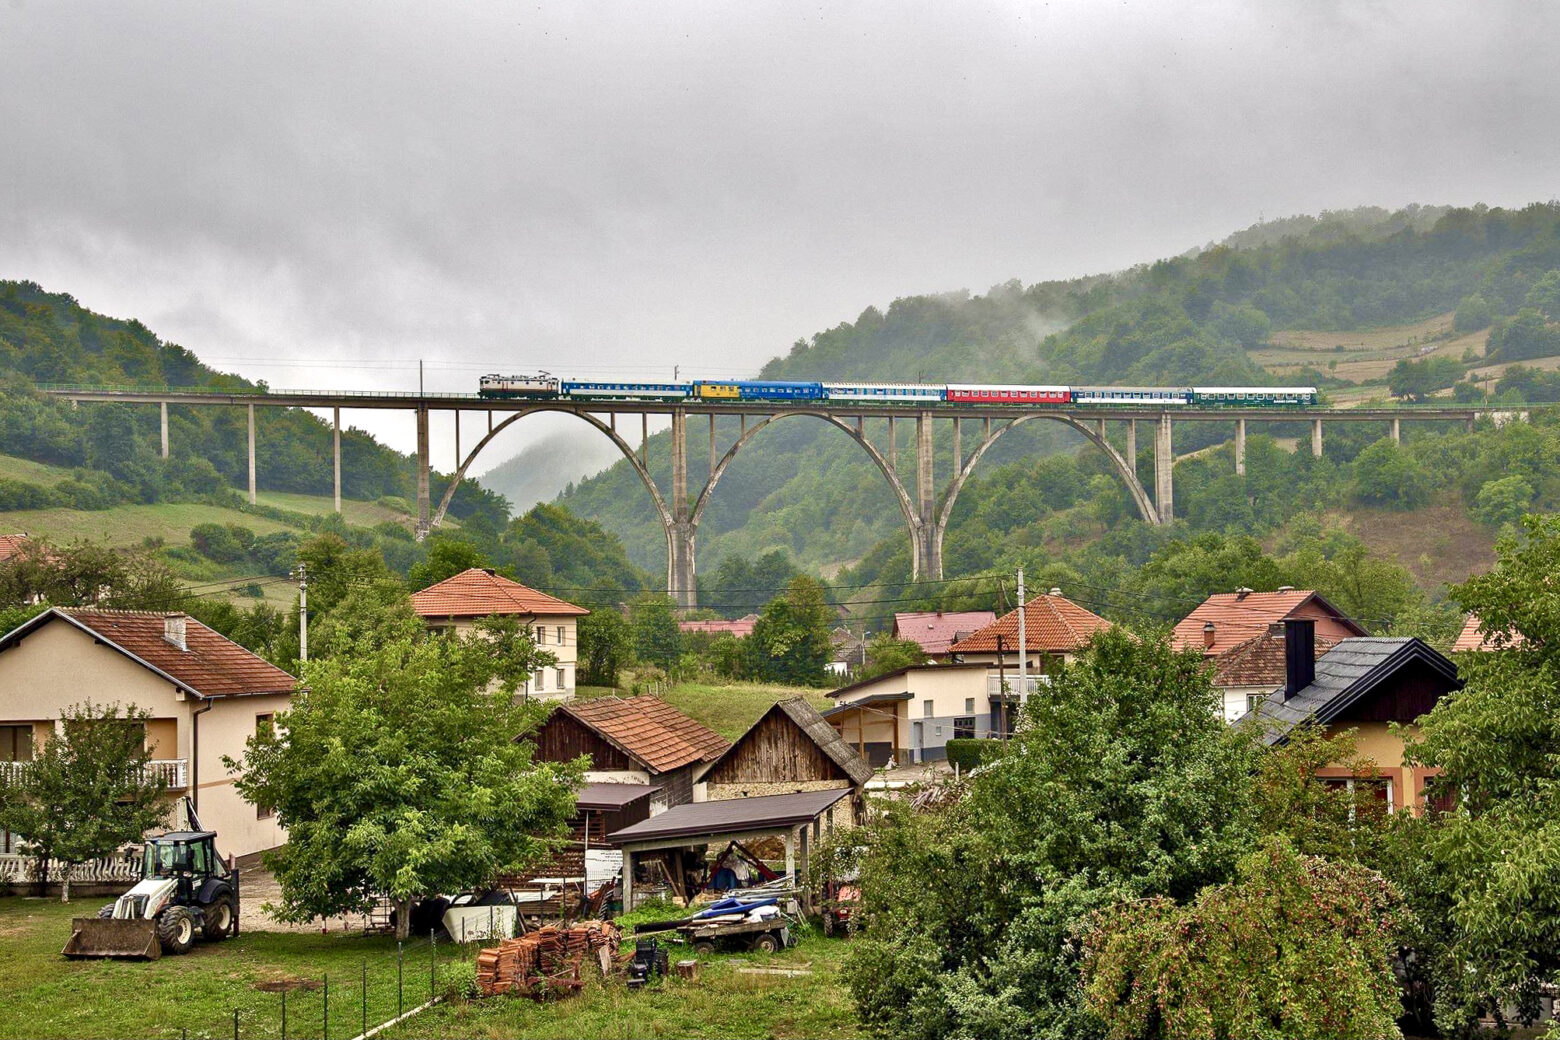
216	920
107	911
176	929
828	924
703	947
767	942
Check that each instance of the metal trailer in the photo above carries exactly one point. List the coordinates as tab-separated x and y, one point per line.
768	936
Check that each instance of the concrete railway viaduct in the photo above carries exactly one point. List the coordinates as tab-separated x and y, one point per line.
926	508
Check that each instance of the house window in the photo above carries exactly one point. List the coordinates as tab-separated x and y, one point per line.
1377	792
540	679
964	728
265	725
561	683
560	635
541	635
969	705
15	743
1254	699
926	709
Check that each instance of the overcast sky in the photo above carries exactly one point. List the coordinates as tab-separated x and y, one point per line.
318	194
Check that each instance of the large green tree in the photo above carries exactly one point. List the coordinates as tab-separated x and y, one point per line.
403	768
1490	886
1122	782
791	639
87	791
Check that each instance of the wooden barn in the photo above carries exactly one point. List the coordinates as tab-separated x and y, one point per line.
789	750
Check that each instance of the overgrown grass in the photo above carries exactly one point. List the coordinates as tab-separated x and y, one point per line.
130	524
722	1002
45	995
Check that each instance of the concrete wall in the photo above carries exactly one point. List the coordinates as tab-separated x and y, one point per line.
843	814
223	731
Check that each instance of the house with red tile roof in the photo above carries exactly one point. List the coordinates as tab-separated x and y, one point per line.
12	545
1055	628
458	602
1227	618
1474	638
741	628
206	694
935	631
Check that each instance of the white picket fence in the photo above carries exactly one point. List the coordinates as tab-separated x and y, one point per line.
22	870
175	771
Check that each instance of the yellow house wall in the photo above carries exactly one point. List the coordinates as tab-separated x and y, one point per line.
567	653
1374	741
223	732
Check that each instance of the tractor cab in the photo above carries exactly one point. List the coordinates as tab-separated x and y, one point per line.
182	854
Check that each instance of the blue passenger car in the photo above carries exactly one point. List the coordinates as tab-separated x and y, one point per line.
778	390
613	391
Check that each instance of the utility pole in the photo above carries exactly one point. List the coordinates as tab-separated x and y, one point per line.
419	378
1002	692
1023	643
303	612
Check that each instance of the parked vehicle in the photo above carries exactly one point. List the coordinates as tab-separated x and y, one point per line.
840	904
185	890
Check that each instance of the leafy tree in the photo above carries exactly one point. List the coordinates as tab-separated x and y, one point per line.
397	772
1544	296
1121	783
1473	313
446	558
87	790
657	639
216	542
605	646
1295	946
89	574
791	639
1503	500
1523	336
1384	474
1417	380
1490	878
886	654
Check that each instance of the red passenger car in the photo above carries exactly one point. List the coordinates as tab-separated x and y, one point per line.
1007	393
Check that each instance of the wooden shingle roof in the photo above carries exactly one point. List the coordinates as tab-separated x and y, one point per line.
1052	624
648	729
476	592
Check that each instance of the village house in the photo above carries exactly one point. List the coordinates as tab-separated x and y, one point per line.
1363	684
909	715
1227	619
1055	629
457	603
935	631
206	694
1473	638
790	749
741	628
1254	668
11	545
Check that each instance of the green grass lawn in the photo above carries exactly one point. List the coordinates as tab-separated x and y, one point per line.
45	995
727	709
13	467
721	1002
129	524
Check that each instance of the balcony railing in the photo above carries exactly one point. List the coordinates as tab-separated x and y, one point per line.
1032	684
175	771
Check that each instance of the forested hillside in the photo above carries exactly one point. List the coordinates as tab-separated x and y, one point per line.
1211	316
50	338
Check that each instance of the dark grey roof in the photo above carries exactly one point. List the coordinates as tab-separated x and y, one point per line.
612	797
730	816
1344	674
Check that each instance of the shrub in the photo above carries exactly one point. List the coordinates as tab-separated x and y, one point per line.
16	494
968	752
216	542
458	980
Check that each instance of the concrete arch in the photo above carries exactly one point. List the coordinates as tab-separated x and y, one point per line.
1096	436
623	446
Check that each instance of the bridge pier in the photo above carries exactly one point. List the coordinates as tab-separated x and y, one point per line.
422	472
681	529
925	540
1164	467
1240	447
1397	431
335	452
1316	438
252	498
162	409
1132	444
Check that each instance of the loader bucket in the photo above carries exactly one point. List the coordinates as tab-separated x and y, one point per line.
108	937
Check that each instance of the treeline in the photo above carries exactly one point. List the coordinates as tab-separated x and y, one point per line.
50	338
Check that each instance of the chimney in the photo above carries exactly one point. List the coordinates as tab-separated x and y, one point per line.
1056	592
1242	592
174	630
1208	635
1299	655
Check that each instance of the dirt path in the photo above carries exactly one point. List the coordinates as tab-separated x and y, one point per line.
258	887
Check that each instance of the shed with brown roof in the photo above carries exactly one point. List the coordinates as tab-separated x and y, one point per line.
634	740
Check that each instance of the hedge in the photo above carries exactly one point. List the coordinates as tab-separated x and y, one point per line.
967	752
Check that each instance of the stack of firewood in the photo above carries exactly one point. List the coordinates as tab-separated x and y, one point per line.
546	963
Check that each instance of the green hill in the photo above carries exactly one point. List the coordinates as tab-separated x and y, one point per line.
1237	312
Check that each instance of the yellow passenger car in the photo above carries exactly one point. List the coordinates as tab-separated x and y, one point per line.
724	391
